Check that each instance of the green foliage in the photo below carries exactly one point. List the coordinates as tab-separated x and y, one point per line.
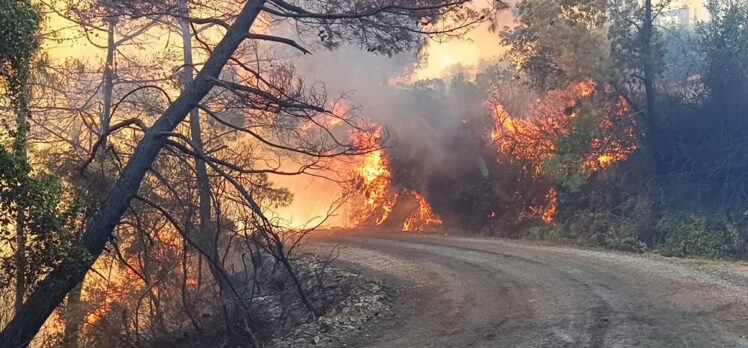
681	59
52	215
618	228
565	168
627	51
702	97
553	233
35	206
19	22
688	234
18	25
565	171
574	146
622	228
723	46
558	41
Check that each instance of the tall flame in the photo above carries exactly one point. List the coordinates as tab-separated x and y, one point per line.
549	213
374	176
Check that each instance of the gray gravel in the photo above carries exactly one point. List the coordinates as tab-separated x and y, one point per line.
363	302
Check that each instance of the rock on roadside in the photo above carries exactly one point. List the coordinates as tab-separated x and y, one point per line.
366	302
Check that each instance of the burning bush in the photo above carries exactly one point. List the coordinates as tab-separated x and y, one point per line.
568	136
372	177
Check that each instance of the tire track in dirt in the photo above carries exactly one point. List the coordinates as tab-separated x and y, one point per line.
472	292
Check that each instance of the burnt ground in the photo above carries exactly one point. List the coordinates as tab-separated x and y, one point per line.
474	292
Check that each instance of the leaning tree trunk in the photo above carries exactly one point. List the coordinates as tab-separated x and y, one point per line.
52	290
206	236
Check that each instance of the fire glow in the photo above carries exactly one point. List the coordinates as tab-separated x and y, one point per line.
531	140
374	178
422	218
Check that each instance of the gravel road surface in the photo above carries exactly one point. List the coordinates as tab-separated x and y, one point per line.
475	292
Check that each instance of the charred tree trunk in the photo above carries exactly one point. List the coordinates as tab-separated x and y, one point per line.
53	289
648	66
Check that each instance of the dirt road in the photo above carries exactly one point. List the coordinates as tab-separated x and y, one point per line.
471	292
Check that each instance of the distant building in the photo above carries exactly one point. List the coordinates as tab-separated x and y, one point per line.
682	12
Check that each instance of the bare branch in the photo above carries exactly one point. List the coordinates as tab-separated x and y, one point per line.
282	40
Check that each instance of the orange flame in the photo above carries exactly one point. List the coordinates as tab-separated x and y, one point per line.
521	138
123	283
336	117
375	181
530	141
552	208
116	289
421	218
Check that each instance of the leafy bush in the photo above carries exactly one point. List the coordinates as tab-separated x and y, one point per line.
553	233
618	228
688	234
